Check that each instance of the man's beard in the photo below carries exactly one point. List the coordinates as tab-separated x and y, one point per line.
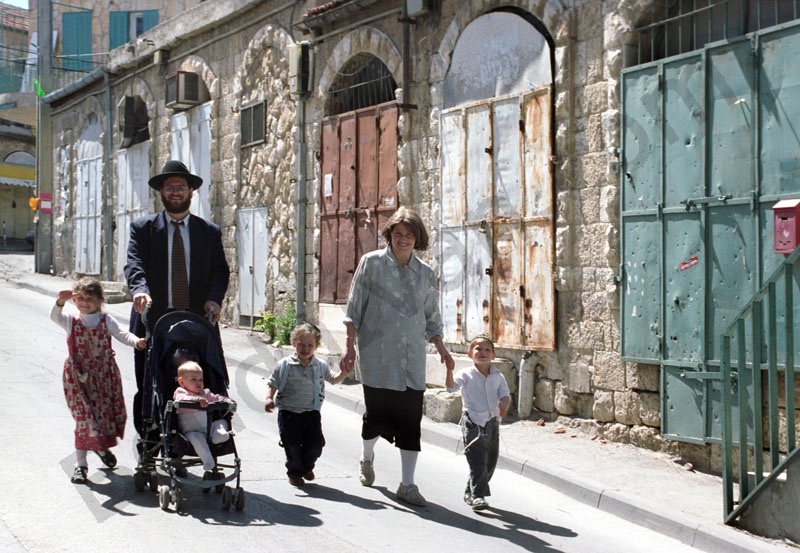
176	206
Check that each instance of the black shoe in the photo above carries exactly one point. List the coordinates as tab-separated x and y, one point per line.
79	475
296	481
108	458
308	475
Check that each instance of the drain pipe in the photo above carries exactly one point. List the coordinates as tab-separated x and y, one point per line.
527	370
302	205
109	211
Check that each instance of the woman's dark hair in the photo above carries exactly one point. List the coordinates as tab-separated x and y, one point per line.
414	221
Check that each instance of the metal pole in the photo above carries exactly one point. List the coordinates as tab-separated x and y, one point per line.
43	256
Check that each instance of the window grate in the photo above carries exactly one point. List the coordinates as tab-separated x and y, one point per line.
364	82
688	25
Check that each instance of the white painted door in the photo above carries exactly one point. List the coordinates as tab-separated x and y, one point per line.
190	142
252	244
88	208
133	197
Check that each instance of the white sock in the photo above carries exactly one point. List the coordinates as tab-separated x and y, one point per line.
368	449
408	463
80	460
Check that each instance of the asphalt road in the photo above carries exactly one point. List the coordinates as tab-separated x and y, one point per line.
41	511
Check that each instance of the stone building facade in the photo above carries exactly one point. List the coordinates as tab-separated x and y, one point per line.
240	49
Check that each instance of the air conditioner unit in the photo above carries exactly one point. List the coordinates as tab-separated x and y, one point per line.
184	90
299	68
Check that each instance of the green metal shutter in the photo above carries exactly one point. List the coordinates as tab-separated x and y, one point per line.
150	19
709	144
118	29
76	41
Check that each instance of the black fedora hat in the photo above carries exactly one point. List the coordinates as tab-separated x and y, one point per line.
174	168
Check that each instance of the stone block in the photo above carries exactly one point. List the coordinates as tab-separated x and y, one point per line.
642	377
650	409
626	407
563	401
619	433
544	395
603	409
646	437
609	371
442	406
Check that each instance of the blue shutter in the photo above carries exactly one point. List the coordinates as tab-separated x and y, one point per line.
118	26
150	19
76	40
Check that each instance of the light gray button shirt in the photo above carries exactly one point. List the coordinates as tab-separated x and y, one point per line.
395	311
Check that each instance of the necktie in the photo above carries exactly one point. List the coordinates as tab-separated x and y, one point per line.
180	281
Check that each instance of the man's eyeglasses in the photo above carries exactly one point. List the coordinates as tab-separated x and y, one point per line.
175	189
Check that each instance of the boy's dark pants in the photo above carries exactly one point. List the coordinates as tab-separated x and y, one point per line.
482	448
302	440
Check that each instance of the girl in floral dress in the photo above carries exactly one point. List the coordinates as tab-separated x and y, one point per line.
92	381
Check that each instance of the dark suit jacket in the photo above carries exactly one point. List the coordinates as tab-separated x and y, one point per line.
146	269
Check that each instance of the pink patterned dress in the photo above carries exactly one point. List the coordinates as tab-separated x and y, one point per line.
93	387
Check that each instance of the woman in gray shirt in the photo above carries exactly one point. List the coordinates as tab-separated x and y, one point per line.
392	312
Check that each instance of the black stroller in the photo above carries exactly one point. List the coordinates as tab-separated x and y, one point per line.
176	337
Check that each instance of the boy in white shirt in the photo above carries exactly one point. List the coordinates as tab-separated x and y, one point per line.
486	399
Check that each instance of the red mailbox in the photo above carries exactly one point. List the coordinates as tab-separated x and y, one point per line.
786	214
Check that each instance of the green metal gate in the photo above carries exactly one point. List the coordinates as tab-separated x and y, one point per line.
710	141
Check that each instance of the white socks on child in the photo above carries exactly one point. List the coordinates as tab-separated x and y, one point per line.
80	460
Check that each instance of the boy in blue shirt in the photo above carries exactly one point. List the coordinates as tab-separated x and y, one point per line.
486	399
297	387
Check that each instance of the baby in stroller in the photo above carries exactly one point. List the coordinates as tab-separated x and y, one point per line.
193	422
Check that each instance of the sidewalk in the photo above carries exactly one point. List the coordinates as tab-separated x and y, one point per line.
644	487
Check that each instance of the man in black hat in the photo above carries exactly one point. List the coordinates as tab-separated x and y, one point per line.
195	281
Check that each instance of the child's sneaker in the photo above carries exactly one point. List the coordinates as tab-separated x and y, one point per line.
79	475
479	504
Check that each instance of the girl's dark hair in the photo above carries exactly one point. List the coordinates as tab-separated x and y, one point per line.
89	286
414	221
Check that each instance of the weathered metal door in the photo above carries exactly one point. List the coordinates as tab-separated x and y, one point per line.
133	172
358	192
708	147
89	203
190	142
252	245
497	226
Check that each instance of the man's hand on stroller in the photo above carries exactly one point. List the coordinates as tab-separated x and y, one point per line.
212	311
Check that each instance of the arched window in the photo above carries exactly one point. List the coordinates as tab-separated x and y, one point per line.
21	158
363	82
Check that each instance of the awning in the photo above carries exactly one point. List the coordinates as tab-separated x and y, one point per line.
17	175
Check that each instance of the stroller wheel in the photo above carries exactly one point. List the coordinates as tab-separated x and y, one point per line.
178	496
238	499
226	498
163	497
139	481
153	481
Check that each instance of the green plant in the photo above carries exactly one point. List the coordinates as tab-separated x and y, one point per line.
285	322
265	323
